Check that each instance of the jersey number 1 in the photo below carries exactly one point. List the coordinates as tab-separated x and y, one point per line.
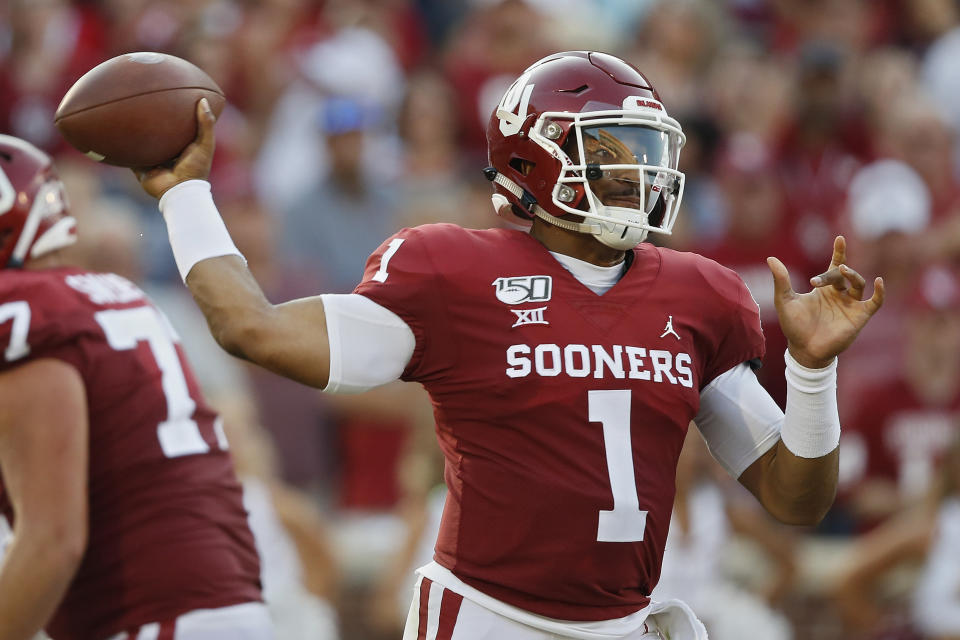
179	434
625	522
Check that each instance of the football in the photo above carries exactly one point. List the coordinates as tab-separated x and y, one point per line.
137	109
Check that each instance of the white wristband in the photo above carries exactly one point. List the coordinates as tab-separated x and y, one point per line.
811	423
194	225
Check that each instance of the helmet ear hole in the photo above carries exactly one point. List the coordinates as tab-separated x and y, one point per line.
521	166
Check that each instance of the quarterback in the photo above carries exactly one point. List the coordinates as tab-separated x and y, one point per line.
564	363
128	521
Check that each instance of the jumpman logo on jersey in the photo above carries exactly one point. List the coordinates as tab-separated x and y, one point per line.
667	330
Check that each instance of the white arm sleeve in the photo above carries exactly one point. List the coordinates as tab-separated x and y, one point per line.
369	344
738	419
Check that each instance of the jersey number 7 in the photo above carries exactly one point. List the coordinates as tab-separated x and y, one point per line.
19	311
179	434
124	329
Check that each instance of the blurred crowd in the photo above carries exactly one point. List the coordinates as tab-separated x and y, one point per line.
348	119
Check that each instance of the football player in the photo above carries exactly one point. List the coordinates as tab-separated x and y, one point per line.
127	518
564	364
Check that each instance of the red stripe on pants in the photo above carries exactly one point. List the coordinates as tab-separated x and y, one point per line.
424	603
449	610
166	630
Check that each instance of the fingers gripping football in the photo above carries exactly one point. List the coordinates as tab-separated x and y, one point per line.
193	164
822	323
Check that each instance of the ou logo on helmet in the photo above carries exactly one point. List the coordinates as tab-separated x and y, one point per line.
512	110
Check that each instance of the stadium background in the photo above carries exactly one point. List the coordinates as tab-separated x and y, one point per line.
348	119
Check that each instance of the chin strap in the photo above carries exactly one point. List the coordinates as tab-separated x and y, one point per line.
530	204
581	227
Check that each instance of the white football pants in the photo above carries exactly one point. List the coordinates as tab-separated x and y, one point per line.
248	621
441	614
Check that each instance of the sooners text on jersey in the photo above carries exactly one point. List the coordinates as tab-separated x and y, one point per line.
168	532
560	413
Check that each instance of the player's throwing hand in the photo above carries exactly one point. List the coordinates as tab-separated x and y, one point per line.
822	323
193	164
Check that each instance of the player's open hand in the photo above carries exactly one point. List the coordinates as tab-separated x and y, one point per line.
193	164
820	324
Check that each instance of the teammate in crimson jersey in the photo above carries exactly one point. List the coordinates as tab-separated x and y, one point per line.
127	517
564	364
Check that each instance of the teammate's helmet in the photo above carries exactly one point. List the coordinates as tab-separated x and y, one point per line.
33	208
577	117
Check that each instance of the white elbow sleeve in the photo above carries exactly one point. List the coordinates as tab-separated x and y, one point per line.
811	424
194	225
369	344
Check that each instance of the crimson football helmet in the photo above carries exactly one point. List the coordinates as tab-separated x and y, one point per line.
581	117
34	219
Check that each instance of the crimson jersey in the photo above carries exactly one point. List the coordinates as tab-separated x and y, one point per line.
560	413
168	531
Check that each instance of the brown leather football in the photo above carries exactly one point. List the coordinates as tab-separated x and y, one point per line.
137	109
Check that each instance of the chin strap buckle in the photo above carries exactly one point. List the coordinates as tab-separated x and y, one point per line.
530	203
527	201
